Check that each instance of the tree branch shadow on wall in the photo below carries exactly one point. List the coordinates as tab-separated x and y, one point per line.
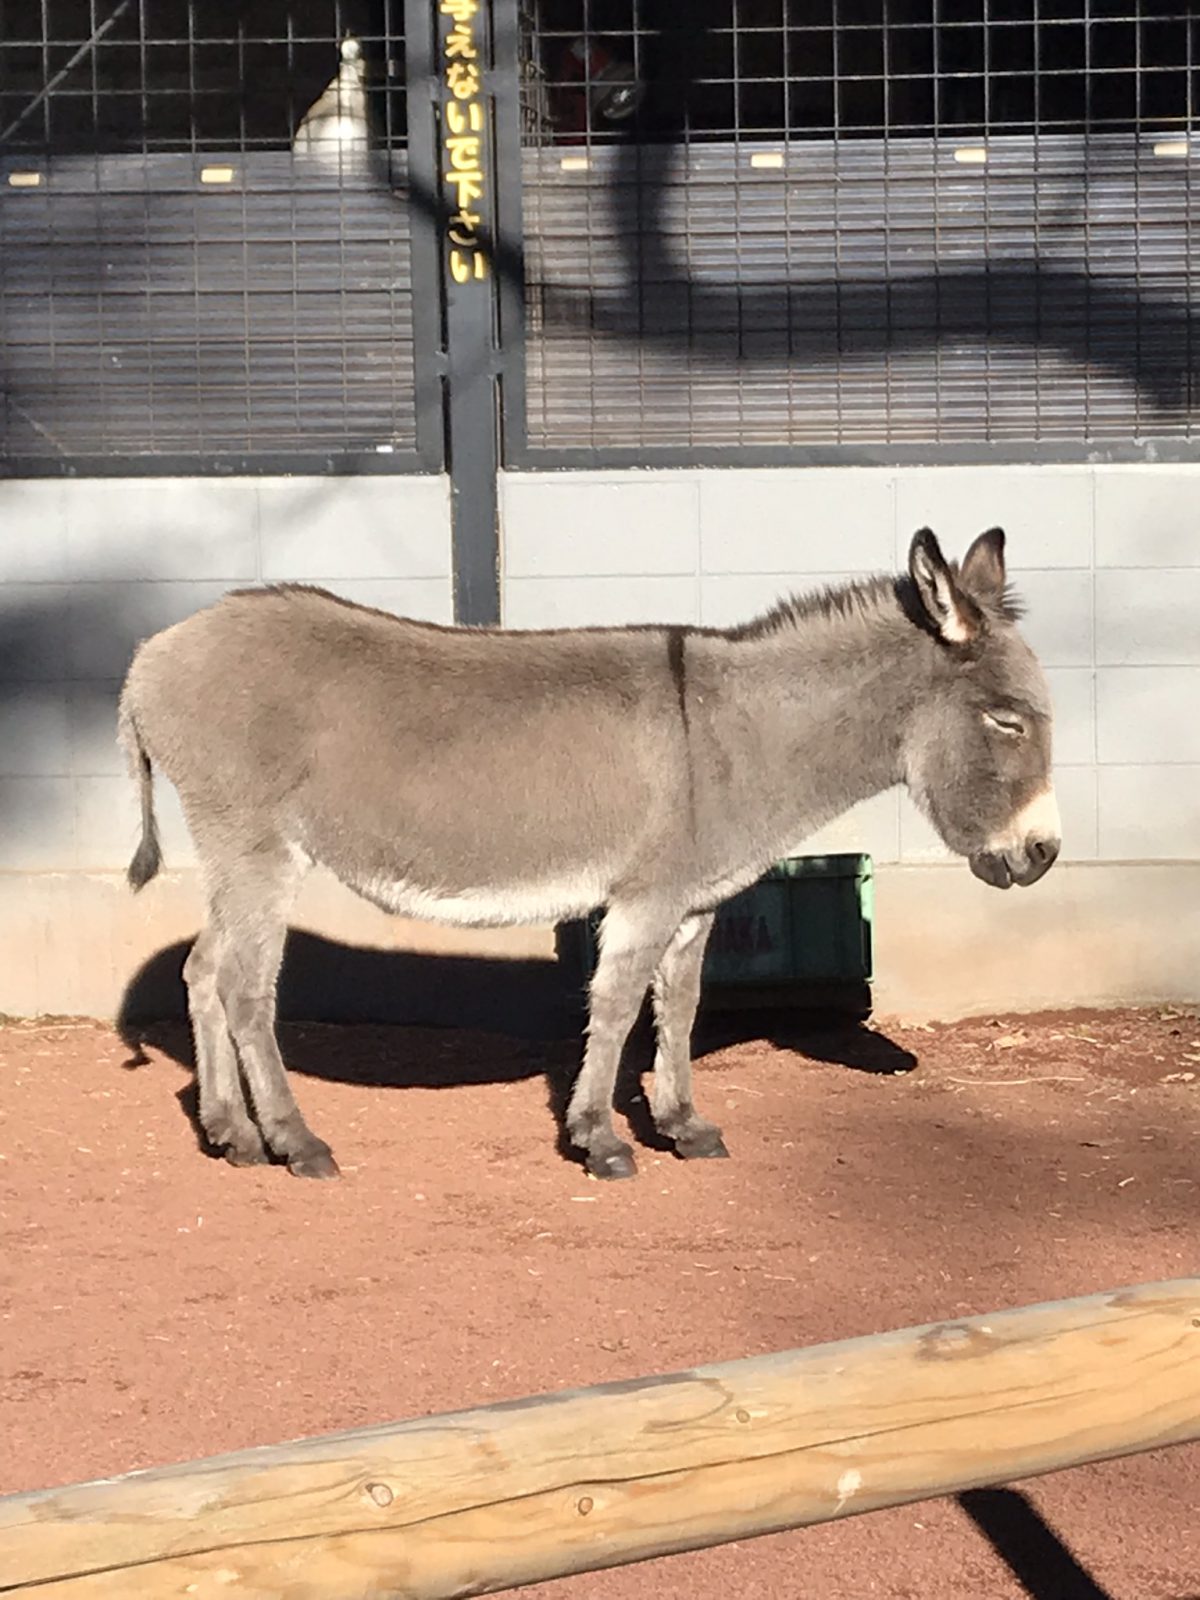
1108	326
1105	326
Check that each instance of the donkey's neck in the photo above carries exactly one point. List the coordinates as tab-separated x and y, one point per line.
809	711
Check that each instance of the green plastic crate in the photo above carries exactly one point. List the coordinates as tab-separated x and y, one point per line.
808	920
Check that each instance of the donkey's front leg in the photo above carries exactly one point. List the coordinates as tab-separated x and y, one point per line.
676	996
632	940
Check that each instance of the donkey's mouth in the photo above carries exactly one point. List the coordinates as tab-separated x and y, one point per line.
992	868
1000	870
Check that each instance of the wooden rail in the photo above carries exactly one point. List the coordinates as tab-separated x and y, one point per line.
478	1501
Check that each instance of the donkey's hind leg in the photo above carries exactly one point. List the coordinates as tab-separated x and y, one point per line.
250	906
631	942
676	996
223	1115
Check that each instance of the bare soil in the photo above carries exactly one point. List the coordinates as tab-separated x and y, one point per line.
157	1305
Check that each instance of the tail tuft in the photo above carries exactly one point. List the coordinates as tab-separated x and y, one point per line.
147	858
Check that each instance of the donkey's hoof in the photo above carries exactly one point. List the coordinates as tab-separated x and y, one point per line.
246	1154
320	1164
706	1146
612	1164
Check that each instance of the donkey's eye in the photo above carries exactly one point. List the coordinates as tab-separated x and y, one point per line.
1005	722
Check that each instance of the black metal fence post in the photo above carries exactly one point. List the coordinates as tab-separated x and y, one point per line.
421	172
510	231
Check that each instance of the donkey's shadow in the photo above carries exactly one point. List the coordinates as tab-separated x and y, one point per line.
532	1011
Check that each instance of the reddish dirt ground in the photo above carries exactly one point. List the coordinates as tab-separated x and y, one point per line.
158	1305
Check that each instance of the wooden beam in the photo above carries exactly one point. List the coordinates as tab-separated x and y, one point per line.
478	1501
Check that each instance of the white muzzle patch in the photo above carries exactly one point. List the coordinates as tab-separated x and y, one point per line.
1039	819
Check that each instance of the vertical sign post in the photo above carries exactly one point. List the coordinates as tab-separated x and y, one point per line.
464	105
464	140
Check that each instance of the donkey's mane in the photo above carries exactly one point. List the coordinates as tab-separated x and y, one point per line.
860	598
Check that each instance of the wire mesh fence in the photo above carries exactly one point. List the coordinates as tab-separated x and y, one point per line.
824	224
204	236
863	68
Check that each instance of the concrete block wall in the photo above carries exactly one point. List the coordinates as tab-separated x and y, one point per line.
90	567
1107	559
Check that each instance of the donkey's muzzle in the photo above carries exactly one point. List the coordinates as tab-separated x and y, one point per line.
1003	868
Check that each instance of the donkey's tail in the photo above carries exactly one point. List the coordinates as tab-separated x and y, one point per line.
147	858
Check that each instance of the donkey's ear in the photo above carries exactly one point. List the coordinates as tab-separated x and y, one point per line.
982	574
951	614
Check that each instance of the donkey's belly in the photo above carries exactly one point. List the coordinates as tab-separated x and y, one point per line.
498	905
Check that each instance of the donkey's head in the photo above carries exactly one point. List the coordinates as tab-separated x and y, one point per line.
976	752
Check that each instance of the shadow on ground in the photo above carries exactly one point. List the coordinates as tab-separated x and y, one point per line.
1034	1554
532	1011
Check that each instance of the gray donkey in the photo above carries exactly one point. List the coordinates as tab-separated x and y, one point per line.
489	777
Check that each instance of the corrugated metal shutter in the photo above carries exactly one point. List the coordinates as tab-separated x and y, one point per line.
867	292
144	312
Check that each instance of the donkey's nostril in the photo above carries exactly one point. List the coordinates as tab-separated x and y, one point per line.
1039	855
